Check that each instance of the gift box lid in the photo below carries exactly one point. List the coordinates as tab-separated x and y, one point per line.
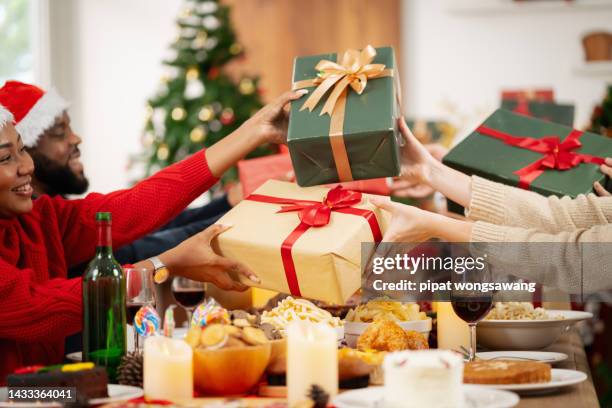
369	112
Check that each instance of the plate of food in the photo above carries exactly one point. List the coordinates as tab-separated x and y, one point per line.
290	309
473	397
541	356
425	378
521	326
406	314
520	376
89	381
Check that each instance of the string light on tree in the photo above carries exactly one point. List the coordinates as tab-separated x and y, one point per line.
235	49
163	152
178	113
197	134
246	86
206	113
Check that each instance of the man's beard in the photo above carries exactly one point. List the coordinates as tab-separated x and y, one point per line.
56	178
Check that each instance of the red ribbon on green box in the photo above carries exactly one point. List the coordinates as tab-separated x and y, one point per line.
558	155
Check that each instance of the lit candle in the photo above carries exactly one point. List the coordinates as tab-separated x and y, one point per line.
452	331
168	369
312	358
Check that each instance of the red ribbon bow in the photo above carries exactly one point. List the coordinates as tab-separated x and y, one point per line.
316	214
558	155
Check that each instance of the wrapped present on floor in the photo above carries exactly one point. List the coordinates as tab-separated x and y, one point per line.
562	114
533	154
432	131
535	95
345	129
255	172
302	241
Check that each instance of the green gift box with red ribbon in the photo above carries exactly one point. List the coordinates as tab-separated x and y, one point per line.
533	154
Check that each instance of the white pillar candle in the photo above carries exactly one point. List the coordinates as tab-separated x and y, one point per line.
168	369
312	358
453	333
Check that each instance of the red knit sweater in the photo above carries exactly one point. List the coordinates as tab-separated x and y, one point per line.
39	307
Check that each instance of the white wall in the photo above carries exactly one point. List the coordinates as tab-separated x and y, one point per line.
120	45
465	60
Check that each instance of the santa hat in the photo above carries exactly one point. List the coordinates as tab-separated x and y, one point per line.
34	110
5	116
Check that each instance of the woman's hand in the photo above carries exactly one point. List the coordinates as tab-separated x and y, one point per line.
417	161
269	124
410	224
410	184
195	259
606	169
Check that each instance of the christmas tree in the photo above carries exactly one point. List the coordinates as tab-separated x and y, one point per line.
197	104
601	119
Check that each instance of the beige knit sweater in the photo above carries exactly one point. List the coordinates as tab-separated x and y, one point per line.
507	215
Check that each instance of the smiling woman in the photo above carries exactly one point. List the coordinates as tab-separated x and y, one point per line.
16	168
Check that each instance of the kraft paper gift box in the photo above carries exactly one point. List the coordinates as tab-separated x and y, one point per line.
553	160
255	172
353	137
289	256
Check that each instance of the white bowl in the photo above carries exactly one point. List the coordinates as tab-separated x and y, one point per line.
352	330
527	334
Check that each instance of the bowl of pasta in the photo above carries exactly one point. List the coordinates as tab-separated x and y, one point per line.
406	314
521	326
289	310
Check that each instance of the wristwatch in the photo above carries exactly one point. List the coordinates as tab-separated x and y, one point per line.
160	271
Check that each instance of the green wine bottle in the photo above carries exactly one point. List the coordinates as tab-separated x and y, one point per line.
104	340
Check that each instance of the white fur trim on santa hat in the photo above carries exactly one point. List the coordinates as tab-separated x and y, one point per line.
41	117
5	116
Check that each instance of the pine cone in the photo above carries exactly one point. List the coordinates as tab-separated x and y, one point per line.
319	397
129	371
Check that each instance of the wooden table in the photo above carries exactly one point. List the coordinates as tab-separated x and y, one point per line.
582	395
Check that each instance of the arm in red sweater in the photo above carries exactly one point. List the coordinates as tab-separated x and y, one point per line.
136	211
32	312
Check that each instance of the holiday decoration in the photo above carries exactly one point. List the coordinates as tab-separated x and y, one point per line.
601	119
562	114
346	128
533	154
181	117
302	241
130	369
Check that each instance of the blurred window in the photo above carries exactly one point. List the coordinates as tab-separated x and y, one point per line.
17	40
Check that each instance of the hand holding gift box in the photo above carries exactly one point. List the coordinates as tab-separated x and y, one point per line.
350	134
303	241
533	154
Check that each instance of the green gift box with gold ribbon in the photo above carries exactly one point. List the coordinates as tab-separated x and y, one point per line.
532	154
345	128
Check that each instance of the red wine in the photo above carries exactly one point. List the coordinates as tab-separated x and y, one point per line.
130	311
471	309
189	298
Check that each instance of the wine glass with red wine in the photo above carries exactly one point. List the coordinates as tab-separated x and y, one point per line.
469	302
140	291
188	294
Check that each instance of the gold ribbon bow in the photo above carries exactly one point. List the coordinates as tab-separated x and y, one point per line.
353	69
